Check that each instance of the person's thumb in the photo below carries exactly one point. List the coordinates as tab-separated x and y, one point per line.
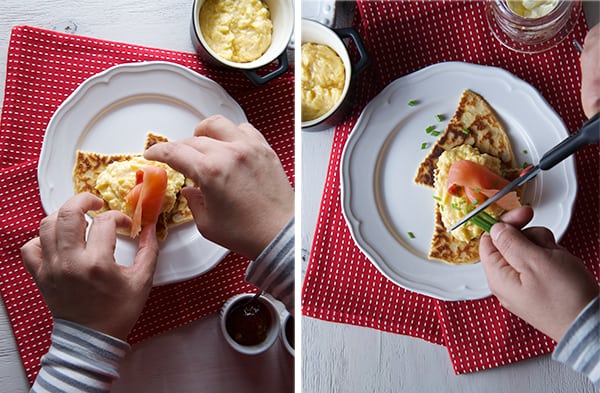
514	246
146	258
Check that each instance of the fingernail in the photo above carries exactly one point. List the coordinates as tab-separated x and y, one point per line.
497	229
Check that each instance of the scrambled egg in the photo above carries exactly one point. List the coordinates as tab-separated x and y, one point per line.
115	182
452	207
323	78
237	30
532	8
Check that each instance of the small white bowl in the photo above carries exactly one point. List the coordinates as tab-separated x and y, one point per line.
274	327
282	16
288	318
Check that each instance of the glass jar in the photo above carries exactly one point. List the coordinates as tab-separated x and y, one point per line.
531	35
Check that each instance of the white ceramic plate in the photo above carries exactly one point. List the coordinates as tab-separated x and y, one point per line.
112	112
382	204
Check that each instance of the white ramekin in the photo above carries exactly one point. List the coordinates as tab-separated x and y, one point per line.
273	330
320	34
282	16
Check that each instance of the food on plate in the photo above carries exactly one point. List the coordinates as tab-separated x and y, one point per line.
123	180
532	8
474	123
471	161
323	79
237	30
145	200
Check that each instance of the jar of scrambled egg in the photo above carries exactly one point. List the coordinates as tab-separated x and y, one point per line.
323	78
531	26
236	30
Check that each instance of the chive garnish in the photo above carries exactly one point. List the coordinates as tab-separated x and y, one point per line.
437	198
465	131
525	164
484	221
524	151
424	145
475	201
412	103
429	129
435	133
411	235
439	117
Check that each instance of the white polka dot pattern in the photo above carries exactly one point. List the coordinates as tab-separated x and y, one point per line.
43	68
341	285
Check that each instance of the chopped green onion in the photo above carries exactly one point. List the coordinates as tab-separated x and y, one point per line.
487	217
481	223
484	221
411	235
525	164
455	206
412	103
475	201
437	198
524	151
477	190
424	145
439	117
429	129
465	131
435	133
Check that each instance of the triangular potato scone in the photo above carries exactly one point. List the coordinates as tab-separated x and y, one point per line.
474	123
89	165
444	247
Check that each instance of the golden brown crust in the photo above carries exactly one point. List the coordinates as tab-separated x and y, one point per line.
444	247
88	165
484	132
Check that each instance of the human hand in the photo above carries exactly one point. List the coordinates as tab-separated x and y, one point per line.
532	276
243	198
590	72
79	279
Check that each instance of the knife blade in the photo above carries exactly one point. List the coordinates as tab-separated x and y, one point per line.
588	134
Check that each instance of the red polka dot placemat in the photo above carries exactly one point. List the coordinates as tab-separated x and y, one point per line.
43	68
341	285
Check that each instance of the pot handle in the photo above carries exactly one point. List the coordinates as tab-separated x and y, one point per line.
262	79
363	60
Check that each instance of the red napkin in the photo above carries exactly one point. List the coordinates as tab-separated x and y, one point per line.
341	285
43	68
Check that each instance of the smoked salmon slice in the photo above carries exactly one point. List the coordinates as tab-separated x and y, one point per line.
479	183
147	197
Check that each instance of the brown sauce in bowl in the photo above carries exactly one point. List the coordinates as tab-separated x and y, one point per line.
248	324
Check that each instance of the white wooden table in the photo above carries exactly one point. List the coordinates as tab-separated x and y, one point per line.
189	359
345	358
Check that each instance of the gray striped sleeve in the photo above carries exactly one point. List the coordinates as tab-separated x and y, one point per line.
580	346
79	360
273	270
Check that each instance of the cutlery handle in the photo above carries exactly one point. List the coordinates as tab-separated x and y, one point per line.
588	134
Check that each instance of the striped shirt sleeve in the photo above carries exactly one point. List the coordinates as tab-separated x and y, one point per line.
580	346
273	270
79	360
